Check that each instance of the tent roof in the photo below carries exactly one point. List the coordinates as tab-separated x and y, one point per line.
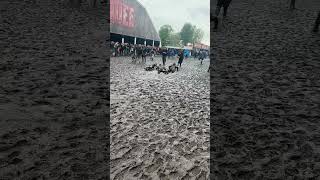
142	23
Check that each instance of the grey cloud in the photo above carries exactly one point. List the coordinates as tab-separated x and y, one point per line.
177	12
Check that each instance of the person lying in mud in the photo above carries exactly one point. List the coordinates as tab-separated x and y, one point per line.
173	68
220	3
162	69
151	68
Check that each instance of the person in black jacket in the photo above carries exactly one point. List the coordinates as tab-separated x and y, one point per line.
221	3
316	24
139	52
181	56
144	54
164	54
202	56
293	4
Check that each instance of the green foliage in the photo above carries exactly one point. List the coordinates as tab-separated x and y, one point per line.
188	34
197	35
174	39
165	34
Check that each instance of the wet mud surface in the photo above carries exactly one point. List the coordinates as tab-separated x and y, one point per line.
159	123
265	92
53	104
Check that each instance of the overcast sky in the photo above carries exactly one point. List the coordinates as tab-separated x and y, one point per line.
178	12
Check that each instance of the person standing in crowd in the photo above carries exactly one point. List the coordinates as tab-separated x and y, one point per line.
139	51
112	48
152	54
181	56
316	24
201	56
116	46
221	3
293	4
131	50
164	53
144	54
134	53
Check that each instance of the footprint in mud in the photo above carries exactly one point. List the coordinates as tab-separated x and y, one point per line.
18	144
202	176
120	175
14	154
16	161
194	171
155	166
174	175
136	170
179	148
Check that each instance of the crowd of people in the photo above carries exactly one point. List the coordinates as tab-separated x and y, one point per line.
127	49
139	51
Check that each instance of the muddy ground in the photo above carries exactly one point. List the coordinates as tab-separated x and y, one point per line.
265	92
159	123
53	91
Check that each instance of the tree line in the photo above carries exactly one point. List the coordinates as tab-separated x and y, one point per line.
188	34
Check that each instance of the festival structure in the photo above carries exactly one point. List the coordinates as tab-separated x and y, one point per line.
130	23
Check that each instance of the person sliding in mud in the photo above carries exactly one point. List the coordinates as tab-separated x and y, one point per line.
221	3
181	56
164	56
316	24
162	69
173	68
151	68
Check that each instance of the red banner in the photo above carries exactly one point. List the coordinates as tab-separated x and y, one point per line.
121	13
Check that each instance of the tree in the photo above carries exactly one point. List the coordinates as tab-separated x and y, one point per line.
186	33
197	35
165	34
174	39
